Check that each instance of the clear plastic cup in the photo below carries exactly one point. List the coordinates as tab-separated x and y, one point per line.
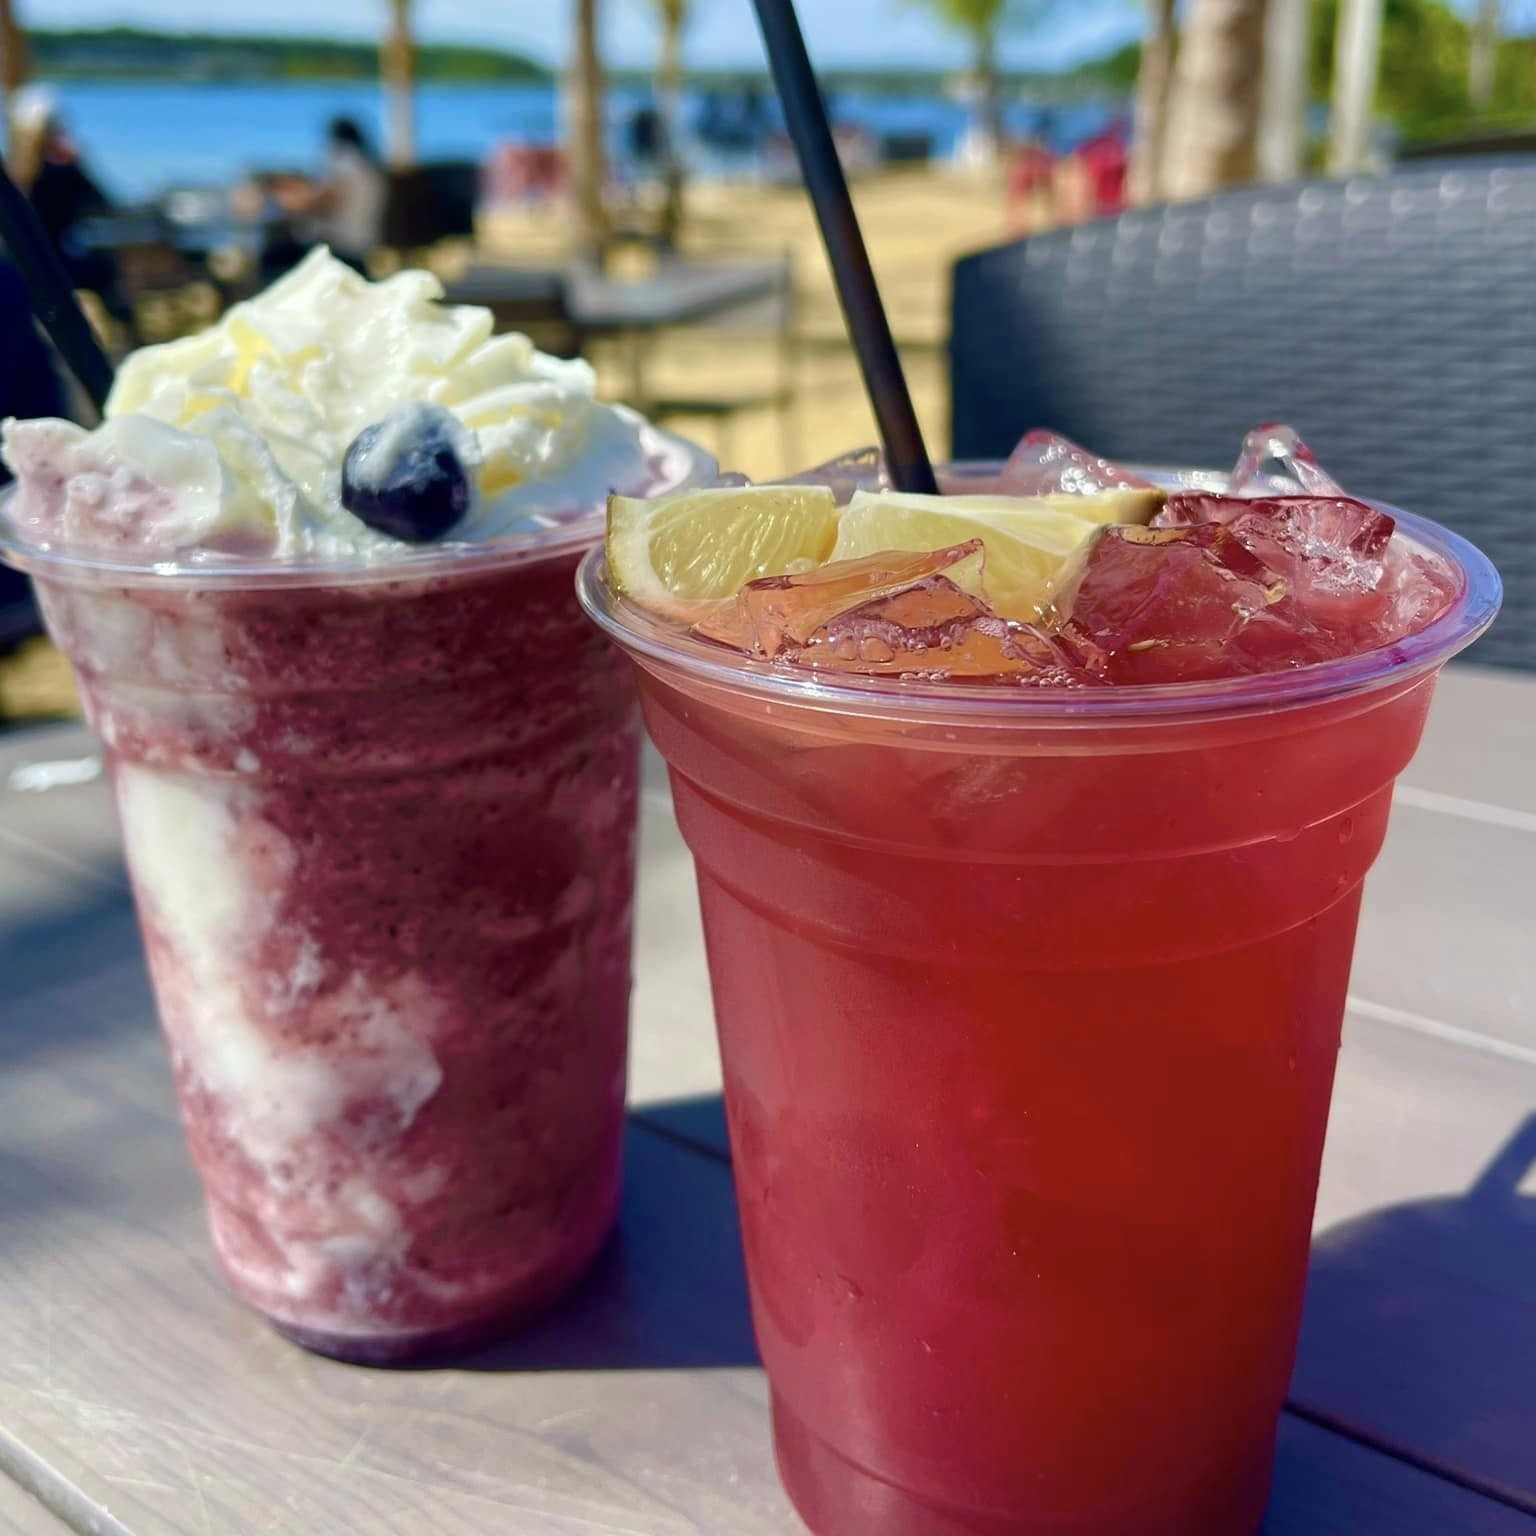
380	825
1028	1005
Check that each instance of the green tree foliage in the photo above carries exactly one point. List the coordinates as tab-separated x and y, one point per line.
137	53
1422	82
982	21
978	18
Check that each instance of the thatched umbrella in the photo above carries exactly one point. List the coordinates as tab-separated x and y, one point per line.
398	61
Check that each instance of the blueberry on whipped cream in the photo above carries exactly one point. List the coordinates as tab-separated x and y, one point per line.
407	475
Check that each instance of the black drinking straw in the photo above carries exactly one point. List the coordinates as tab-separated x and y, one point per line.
51	292
806	115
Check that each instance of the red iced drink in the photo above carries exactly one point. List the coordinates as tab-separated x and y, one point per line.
378	803
1029	992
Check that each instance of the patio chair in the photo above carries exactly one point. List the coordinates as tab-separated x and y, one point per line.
1388	318
533	300
772	319
431	202
152	288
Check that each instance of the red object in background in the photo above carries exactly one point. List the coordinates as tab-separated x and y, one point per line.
514	172
1031	171
1105	158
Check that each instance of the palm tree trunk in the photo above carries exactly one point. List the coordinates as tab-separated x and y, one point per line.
1213	118
1144	179
987	82
1283	96
1356	59
14	64
669	97
399	69
1485	54
584	135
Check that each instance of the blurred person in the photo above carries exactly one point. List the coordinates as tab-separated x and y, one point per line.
516	172
647	141
254	200
345	207
1105	159
713	127
734	126
29	386
1090	181
756	119
1031	188
47	165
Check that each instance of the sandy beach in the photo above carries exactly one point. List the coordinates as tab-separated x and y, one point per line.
916	223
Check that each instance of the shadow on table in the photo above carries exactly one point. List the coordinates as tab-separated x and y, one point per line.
1420	1329
71	970
668	1292
697	1123
1417	1336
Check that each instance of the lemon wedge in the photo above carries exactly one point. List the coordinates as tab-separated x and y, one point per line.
699	546
1119	504
1027	539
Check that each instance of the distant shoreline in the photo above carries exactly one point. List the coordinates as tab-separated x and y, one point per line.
137	55
129	54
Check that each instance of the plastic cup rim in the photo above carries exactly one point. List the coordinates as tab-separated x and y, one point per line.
430	562
660	648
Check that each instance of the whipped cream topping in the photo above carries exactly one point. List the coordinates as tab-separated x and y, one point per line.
232	441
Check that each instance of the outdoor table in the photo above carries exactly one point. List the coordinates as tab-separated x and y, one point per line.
137	1398
678	292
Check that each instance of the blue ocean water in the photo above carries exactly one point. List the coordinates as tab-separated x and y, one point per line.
139	138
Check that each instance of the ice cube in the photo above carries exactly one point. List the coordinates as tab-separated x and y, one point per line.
1276	444
1330	549
1419	587
864	469
1045	463
1182	604
775	612
925	632
897	613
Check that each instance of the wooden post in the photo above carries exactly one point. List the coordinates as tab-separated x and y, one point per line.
1283	95
1144	178
1213	116
669	102
987	84
15	65
1356	58
584	134
1486	28
398	62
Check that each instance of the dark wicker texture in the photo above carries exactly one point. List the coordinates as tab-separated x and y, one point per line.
1391	320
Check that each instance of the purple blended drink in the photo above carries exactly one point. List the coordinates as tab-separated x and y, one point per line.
377	781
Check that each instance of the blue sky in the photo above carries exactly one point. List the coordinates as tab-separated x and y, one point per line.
875	32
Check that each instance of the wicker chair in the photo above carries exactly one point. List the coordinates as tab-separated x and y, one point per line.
1390	319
